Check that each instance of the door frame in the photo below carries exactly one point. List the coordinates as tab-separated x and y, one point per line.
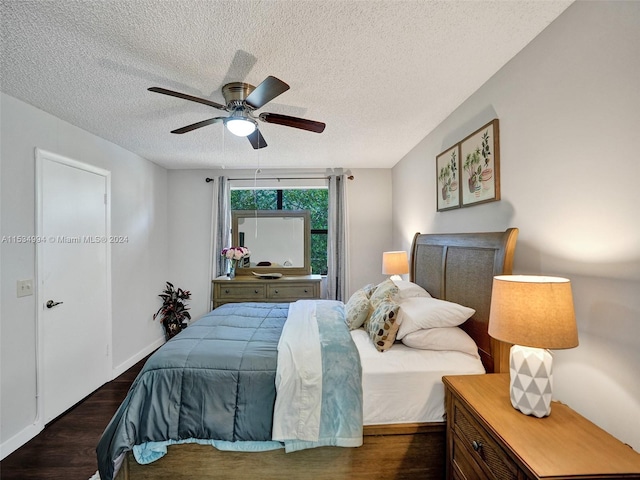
41	156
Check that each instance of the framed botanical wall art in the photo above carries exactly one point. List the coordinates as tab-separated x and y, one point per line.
480	165
447	172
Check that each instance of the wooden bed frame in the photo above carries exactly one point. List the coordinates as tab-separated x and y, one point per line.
454	267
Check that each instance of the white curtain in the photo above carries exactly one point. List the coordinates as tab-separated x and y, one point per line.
338	241
221	224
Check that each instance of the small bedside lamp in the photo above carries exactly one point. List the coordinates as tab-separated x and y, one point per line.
533	313
395	264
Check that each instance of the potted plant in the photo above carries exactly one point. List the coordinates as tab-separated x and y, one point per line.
445	180
453	163
473	169
487	172
447	177
173	312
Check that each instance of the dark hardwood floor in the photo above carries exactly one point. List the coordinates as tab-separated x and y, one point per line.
65	449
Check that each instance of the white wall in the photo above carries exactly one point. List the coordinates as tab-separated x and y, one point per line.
190	200
370	232
139	267
569	110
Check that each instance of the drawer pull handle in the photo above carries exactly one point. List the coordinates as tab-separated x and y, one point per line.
255	291
226	291
306	291
276	291
476	445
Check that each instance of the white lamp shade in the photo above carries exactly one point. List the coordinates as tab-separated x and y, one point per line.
240	126
395	263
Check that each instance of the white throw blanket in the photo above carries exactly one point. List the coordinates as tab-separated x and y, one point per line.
299	376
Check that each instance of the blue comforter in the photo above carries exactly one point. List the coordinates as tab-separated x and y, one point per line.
215	383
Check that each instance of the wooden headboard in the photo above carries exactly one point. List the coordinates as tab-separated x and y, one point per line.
459	267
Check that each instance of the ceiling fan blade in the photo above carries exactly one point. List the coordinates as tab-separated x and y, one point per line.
269	89
203	123
257	140
295	122
184	96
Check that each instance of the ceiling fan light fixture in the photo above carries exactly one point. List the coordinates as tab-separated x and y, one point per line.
241	102
240	126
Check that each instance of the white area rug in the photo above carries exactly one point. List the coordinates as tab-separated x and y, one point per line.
96	476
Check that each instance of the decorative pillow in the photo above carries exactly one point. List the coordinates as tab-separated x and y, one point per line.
382	326
357	309
417	313
442	338
408	290
384	291
369	289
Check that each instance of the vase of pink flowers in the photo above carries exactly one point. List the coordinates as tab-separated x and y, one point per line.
233	256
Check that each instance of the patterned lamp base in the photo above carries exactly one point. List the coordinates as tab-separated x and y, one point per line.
531	380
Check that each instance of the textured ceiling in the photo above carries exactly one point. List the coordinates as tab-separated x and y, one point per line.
380	74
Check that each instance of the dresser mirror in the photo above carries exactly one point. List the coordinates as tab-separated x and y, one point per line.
279	241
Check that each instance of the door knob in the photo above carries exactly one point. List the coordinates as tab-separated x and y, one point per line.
51	303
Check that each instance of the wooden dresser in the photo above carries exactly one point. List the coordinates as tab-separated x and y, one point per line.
254	289
488	438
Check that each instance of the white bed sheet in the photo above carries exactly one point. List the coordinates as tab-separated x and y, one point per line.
403	384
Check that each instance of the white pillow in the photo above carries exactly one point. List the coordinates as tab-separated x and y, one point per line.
442	338
408	290
417	313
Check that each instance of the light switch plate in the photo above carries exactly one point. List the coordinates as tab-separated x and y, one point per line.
25	288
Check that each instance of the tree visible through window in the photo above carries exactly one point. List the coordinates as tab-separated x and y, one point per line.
316	200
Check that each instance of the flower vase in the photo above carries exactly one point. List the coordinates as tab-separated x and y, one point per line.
232	269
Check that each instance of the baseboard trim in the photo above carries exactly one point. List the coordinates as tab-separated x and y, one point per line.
131	361
19	439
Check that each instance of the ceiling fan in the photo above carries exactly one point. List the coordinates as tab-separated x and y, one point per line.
242	101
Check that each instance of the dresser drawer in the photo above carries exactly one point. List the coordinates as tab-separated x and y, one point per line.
245	292
251	289
275	291
472	446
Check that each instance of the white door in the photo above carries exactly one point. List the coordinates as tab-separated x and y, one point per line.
74	311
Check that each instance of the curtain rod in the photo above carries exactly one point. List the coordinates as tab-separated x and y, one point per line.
350	177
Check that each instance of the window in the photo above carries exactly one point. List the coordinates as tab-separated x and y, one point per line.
316	200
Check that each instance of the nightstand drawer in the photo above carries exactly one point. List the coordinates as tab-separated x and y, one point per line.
472	444
290	291
245	292
463	465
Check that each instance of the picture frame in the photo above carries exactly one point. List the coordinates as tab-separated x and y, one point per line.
448	179
480	165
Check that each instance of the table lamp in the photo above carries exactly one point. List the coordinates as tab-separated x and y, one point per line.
534	313
395	264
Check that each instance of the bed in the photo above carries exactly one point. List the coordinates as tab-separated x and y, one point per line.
458	268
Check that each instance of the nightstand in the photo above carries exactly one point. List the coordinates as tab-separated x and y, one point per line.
252	289
488	438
